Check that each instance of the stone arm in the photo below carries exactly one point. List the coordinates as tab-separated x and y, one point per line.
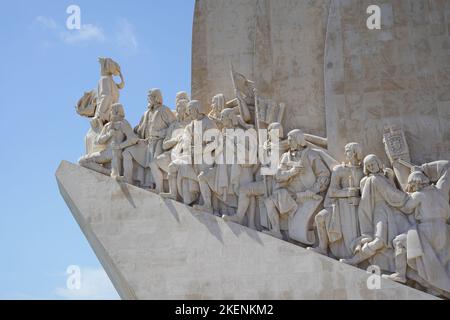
410	205
168	118
336	191
322	176
105	135
131	138
172	138
284	173
243	108
139	129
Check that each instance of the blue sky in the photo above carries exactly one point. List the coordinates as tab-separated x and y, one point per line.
44	70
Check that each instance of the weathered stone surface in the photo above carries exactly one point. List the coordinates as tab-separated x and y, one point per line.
279	44
156	249
336	77
398	75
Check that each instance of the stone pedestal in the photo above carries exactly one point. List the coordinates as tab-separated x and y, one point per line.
159	249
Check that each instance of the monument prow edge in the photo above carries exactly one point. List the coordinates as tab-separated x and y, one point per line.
153	248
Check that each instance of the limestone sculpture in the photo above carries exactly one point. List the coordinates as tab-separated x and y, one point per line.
108	90
337	225
423	251
183	171
301	179
378	226
151	130
359	212
171	146
223	180
263	186
116	136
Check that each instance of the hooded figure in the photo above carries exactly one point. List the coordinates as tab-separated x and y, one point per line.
379	225
424	251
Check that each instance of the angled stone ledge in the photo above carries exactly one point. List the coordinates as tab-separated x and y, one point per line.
159	249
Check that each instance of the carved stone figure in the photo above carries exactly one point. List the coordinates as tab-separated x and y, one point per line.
170	145
108	90
152	130
302	177
217	105
337	225
262	187
379	224
183	171
223	180
423	253
439	173
182	95
116	136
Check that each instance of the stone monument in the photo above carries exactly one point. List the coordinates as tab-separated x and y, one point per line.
280	89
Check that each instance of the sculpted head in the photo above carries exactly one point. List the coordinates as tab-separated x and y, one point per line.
417	181
109	67
195	111
181	108
372	164
353	152
218	103
296	139
228	118
117	112
154	97
182	95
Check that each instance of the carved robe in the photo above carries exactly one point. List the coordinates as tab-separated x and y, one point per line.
341	220
377	218
431	256
107	95
287	196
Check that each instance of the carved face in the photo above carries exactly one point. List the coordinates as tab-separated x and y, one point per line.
193	111
349	154
296	139
372	166
182	109
414	187
117	113
154	97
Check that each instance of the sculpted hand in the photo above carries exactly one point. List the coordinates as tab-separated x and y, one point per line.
297	170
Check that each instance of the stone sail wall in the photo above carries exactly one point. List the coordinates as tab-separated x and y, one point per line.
336	77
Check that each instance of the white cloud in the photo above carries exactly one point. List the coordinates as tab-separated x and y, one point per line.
87	32
95	285
126	36
47	23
